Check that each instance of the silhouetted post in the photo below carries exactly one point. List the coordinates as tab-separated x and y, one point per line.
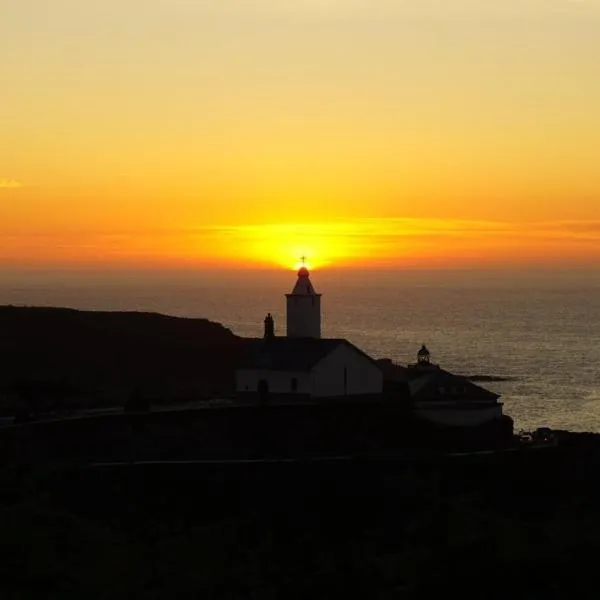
269	326
263	392
131	444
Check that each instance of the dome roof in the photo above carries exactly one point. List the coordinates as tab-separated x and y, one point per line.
304	286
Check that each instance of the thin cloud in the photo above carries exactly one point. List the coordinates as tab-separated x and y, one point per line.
405	8
573	226
391	238
372	241
10	184
366	227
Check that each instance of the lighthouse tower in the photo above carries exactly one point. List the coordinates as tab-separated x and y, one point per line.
303	308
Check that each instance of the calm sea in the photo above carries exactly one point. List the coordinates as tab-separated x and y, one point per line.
540	329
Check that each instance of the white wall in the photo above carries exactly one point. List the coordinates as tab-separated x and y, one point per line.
363	377
325	380
303	316
280	382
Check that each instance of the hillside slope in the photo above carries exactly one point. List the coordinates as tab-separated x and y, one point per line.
111	354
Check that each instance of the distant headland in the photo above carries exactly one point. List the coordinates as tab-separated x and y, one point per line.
89	359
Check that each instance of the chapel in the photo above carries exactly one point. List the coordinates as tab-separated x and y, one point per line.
303	365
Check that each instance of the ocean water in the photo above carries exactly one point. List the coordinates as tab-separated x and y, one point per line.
539	329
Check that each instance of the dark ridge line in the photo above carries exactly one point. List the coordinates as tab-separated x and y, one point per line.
490	378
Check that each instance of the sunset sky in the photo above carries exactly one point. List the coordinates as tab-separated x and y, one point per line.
174	133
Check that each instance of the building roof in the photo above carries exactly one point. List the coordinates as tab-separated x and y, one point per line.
392	371
293	354
304	286
438	384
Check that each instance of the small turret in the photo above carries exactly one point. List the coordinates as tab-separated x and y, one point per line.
423	360
423	356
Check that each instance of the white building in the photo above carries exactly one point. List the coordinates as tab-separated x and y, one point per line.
303	365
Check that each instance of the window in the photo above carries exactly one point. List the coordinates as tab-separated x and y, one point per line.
294	384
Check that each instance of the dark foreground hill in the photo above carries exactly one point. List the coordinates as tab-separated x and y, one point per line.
103	357
513	525
523	523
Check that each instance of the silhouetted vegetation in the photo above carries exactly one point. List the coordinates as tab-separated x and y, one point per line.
238	432
515	525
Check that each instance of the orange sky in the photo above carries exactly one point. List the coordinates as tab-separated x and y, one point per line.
455	133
